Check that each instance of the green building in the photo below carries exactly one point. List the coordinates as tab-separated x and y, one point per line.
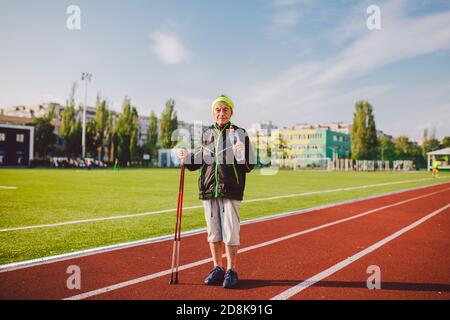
310	147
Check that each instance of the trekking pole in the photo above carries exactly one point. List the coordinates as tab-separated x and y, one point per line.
177	236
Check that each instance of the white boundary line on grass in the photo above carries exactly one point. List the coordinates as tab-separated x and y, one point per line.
344	263
133	215
260	245
8	187
82	253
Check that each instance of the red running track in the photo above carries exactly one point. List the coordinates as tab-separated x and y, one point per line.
414	265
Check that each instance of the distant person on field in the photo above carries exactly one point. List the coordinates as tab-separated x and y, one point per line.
435	168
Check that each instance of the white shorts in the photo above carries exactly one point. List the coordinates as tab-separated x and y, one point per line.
222	220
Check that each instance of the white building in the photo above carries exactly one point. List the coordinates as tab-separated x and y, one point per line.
263	128
334	126
32	111
40	110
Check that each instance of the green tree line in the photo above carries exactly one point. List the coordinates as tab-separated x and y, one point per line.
110	137
367	146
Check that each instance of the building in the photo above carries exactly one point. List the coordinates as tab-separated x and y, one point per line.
168	158
16	145
443	155
26	114
260	137
310	147
190	133
334	126
14	120
263	128
144	124
33	111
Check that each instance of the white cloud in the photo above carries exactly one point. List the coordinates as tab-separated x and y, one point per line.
194	103
325	90
48	97
438	119
399	39
194	108
285	3
352	25
322	88
168	47
286	14
286	18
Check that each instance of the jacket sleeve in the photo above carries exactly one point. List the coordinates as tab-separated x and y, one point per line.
249	163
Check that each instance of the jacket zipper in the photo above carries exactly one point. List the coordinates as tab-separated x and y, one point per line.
235	174
216	194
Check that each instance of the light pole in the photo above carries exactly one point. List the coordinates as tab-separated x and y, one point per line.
84	77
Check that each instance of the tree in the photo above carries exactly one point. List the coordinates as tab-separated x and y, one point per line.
152	137
135	150
416	155
358	133
44	136
168	124
386	148
371	134
406	149
70	129
403	147
112	137
92	142
429	144
364	132
127	126
101	125
445	142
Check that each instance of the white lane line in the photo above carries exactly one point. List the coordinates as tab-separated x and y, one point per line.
94	219
124	245
344	263
260	245
8	187
137	280
336	190
133	215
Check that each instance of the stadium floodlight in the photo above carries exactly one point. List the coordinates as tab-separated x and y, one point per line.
85	76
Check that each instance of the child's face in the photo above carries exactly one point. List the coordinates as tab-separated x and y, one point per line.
222	113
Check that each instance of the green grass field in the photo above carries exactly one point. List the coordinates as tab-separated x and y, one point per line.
46	196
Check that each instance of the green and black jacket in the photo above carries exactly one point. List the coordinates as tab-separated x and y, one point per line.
220	174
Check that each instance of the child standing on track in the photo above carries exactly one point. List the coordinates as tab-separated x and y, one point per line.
223	160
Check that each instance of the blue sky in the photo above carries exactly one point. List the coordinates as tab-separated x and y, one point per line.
289	61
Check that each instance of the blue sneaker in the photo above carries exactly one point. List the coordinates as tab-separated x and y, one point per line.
215	276
231	279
